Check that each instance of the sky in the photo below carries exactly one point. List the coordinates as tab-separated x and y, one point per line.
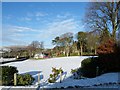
24	22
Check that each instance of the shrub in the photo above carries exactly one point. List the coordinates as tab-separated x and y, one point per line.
76	73
25	79
108	60
109	56
8	74
61	55
73	71
53	77
88	67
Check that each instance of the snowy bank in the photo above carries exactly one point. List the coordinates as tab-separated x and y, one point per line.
7	59
108	80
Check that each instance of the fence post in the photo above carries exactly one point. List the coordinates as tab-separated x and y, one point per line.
60	76
38	78
15	79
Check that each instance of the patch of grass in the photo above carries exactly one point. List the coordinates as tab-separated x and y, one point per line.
61	55
74	54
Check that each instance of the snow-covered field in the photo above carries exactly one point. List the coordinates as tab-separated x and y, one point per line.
45	66
33	67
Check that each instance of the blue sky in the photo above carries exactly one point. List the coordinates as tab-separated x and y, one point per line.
23	22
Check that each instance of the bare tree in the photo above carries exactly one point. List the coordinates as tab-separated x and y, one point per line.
35	47
104	16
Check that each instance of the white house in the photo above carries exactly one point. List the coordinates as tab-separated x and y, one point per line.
40	55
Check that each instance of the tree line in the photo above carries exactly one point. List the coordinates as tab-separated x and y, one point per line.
23	51
86	43
102	22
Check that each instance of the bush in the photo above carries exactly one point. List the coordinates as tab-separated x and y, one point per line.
25	79
74	70
8	77
89	67
53	77
108	60
8	74
76	73
109	56
61	55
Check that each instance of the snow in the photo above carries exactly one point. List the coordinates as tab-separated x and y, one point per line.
9	87
103	79
1	87
45	66
33	67
7	59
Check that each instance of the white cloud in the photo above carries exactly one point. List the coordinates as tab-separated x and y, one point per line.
25	19
57	28
40	14
13	41
14	29
17	34
33	16
64	15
